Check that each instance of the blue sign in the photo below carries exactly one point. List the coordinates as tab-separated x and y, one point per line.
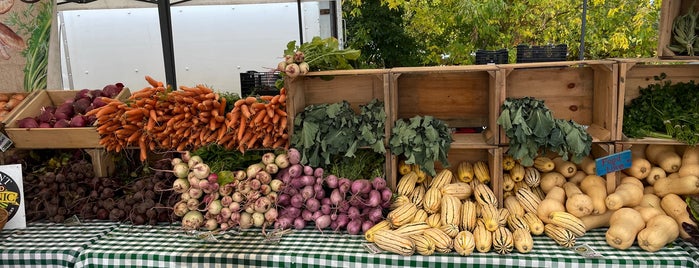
613	163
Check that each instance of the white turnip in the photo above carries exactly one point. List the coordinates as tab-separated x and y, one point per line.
264	177
292	70
180	185
200	170
268	158
211	224
272	168
253	169
245	220
262	204
258	219
237	197
273	197
282	161
276	185
180	208
271	215
195	193
234	207
181	170
265	189
193	160
215	207
192	220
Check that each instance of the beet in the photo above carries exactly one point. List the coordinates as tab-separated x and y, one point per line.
98	102
46	115
80	106
78	121
64	111
61	123
45	125
28	122
111	91
95	94
83	93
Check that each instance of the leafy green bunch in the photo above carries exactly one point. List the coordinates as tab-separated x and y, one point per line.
422	140
533	130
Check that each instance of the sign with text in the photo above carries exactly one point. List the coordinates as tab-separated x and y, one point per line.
12	195
613	163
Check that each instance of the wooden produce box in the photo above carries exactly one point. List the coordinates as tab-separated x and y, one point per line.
635	74
17	108
52	138
358	87
669	10
582	91
464	97
492	156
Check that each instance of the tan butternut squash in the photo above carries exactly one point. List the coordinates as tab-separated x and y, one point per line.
578	177
587	165
565	167
664	156
675	207
627	194
681	186
690	156
596	188
655	174
650	200
554	201
624	225
551	179
640	168
649	212
688	169
660	230
673	175
593	221
577	203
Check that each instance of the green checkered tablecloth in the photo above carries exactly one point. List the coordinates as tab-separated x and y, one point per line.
48	244
163	246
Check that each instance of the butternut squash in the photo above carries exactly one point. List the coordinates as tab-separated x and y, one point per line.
650	200
595	187
578	177
690	156
565	167
660	230
640	168
628	194
688	169
554	201
587	165
676	208
593	221
681	186
655	174
664	156
551	179
673	175
624	225
649	212
577	203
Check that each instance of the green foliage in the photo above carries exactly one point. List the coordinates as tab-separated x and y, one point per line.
421	140
36	25
324	54
450	31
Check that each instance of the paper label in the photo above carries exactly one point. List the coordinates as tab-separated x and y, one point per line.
586	251
5	142
372	248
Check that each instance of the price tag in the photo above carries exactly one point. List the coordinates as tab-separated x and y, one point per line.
5	142
613	163
372	248
72	221
587	251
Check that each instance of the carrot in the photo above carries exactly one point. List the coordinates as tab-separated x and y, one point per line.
213	125
219	118
282	98
143	149
244	139
102	111
241	130
234	119
258	118
275	99
220	132
209	95
266	98
270	111
251	142
250	100
238	103
246	111
278	143
258	106
134	136
222	107
151	81
281	112
282	124
276	119
225	137
267	141
282	91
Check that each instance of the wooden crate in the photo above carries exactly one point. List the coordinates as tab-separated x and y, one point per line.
492	155
464	97
52	138
17	108
635	74
669	10
582	91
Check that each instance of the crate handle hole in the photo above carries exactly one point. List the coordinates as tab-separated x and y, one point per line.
573	108
571	85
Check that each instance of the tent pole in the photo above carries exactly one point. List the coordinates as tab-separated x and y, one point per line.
298	6
581	53
166	38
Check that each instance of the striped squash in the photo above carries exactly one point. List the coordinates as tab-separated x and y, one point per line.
522	240
401	215
460	190
491	217
406	184
399	201
528	200
568	221
503	214
544	164
536	226
507	182
464	243
560	235
517	173
390	241
434	220
465	171
512	204
502	240
420	216
382	225
484	195
517	222
468	215
483	237
417	195
481	171
450	229
442	178
532	176
423	245
451	210
442	242
508	162
412	228
432	202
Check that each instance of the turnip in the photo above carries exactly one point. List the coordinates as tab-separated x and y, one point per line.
245	220
186	156
336	197
299	56
265	189
235	218
343	206
386	195
212	178
61	123
283	223
307	192
296	170
322	222
354	227
224	226
374	199
185	196
313	205
360	186
193	181
292	212
354	213
307	215
272	168
304	68
258	219
180	170
203	184
192	220
271	215
294	156
292	70
263	176
318	172
331	181
262	204
180	185
210	224
299	224
276	185
215	207
28	122
297	201
308	170
200	170
283	199
234	207
325	209
289	59
253	169
342	220
319	193
45	125
366	225
268	158
180	208
227	189
282	161
240	175
316	215
344	185
281	66
195	193
375	214
379	183
78	121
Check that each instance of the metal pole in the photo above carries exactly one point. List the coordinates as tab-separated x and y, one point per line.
298	6
581	53
166	39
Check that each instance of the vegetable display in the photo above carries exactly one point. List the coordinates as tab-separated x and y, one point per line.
531	129
422	141
73	112
189	118
311	195
664	110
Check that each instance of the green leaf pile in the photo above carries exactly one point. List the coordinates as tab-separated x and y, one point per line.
330	129
532	130
664	110
324	54
421	140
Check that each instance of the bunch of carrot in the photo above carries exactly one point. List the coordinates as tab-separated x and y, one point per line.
186	119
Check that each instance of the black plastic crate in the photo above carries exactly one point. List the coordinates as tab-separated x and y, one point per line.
545	53
492	56
258	83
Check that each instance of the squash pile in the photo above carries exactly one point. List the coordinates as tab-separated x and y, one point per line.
452	212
